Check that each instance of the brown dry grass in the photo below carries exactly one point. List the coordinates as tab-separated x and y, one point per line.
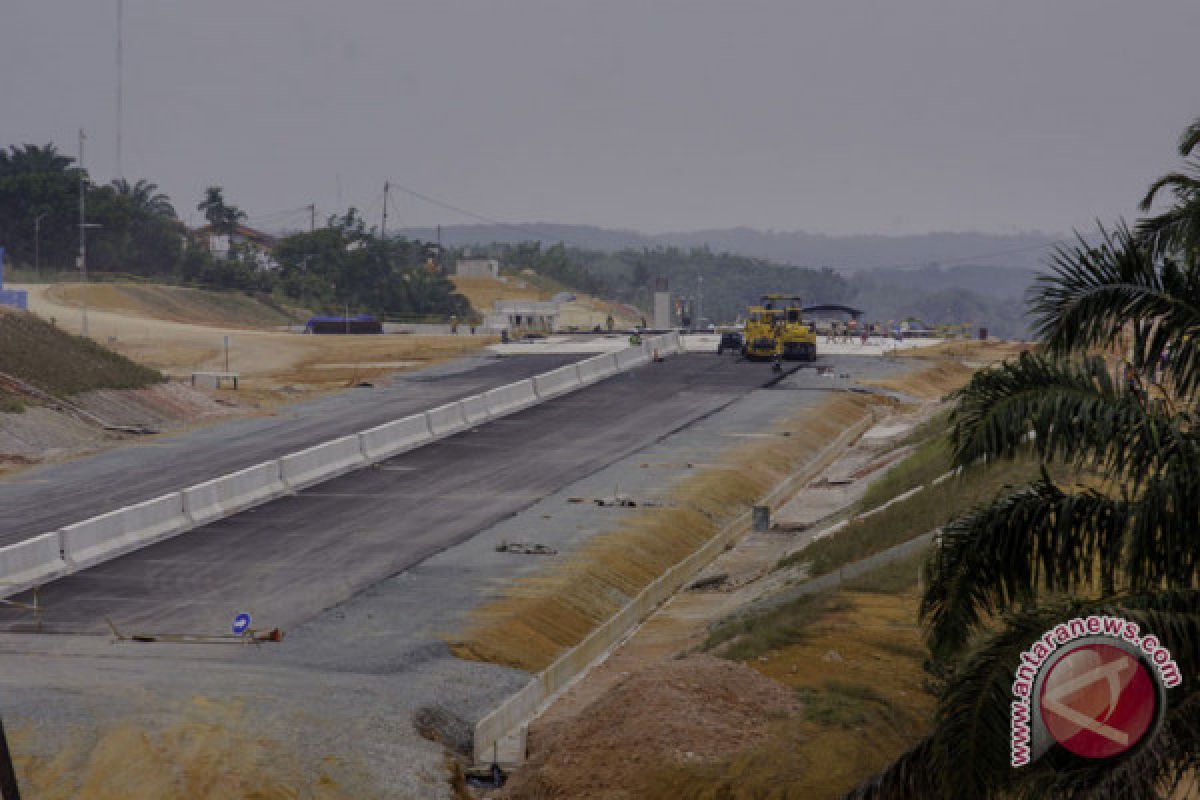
930	383
863	707
968	349
483	292
207	755
180	304
540	616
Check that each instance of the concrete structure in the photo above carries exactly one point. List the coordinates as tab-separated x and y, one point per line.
16	298
477	268
522	315
662	310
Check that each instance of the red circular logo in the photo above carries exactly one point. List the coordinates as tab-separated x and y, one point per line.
1098	700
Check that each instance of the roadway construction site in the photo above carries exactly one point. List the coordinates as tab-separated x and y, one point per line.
435	568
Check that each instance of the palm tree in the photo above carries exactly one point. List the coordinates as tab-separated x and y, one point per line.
145	197
223	218
1178	228
31	158
1127	543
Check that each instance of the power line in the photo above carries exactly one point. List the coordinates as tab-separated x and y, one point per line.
522	229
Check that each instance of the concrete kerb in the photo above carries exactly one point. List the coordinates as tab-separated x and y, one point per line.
31	563
118	532
597	368
557	381
511	397
322	462
446	420
510	719
396	437
229	494
475	409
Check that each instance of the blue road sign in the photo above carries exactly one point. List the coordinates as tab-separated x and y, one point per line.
240	623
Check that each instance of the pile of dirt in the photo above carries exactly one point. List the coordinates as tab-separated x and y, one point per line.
693	710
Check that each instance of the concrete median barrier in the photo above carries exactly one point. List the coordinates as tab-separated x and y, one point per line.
556	382
510	398
395	438
118	532
30	563
597	368
475	409
447	419
229	494
631	357
321	463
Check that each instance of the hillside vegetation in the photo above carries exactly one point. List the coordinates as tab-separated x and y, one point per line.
63	364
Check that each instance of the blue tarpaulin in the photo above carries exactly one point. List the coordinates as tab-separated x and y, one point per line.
11	297
363	323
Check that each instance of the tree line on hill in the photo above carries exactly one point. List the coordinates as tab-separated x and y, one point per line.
137	232
727	284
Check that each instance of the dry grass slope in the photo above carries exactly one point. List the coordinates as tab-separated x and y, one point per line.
62	364
179	304
540	616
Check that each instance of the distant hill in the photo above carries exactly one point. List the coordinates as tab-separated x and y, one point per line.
846	253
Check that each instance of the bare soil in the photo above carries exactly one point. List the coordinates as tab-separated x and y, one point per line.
697	709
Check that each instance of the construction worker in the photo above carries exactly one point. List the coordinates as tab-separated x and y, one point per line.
609	323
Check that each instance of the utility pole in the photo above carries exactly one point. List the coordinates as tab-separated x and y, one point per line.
383	226
83	231
120	80
441	271
37	244
312	217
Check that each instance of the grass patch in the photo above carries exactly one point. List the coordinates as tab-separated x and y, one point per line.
848	704
63	364
540	616
931	459
894	578
742	638
924	511
10	404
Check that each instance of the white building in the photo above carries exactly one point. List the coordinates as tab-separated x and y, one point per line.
477	268
521	315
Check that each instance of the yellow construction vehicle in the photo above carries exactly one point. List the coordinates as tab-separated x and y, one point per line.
760	339
797	340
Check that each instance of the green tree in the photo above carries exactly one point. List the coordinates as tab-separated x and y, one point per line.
38	181
346	264
223	218
1126	543
145	198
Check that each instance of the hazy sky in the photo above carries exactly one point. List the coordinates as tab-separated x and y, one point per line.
837	116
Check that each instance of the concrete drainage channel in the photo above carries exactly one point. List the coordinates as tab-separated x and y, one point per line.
75	547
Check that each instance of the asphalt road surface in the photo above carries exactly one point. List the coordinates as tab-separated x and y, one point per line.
46	498
290	559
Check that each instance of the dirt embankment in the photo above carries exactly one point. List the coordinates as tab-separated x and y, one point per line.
694	710
144	324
